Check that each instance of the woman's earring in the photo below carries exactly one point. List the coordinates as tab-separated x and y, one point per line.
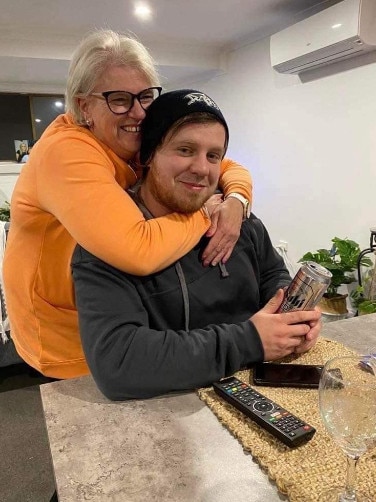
89	122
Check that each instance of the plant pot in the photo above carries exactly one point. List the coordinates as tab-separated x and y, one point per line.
334	305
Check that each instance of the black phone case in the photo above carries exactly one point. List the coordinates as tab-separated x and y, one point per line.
278	382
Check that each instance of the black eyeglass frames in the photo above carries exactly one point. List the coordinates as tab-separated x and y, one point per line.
120	102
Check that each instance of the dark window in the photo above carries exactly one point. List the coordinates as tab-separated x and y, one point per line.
15	123
24	118
44	110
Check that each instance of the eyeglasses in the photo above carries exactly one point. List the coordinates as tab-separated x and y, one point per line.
120	102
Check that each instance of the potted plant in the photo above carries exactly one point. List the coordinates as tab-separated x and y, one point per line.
341	261
5	212
364	296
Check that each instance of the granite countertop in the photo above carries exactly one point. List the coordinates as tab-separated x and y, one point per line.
358	333
165	449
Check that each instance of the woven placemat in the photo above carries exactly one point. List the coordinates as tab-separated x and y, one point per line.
304	472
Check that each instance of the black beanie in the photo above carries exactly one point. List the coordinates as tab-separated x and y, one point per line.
166	110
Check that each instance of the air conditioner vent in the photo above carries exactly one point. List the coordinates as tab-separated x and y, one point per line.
342	31
322	56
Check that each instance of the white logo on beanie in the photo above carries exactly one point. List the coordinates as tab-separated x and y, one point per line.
199	97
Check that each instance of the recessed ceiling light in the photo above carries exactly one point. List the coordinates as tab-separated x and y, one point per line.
142	11
59	104
38	120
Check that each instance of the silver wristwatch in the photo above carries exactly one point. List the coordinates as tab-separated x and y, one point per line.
244	201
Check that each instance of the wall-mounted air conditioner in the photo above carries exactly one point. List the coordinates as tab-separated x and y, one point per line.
339	32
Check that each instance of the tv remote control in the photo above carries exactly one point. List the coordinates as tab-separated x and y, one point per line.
289	429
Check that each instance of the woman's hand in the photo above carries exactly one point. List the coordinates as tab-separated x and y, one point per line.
226	217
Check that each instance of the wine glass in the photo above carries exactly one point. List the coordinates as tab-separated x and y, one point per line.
372	358
347	400
369	360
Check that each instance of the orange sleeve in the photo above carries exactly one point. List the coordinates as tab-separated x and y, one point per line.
235	178
78	184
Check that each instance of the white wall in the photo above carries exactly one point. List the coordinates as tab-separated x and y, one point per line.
9	172
311	147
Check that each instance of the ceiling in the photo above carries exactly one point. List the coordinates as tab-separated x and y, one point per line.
188	38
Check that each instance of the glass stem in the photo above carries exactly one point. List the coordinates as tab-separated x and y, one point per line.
350	479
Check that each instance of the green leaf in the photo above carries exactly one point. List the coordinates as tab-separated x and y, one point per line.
5	212
367	306
341	259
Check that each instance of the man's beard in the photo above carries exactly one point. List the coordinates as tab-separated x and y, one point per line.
190	203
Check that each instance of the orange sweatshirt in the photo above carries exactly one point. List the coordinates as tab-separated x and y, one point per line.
72	190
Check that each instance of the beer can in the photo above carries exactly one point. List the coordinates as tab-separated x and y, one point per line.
307	288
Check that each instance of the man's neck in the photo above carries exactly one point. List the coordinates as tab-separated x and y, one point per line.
153	206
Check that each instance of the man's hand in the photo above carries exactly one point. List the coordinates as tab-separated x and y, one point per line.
224	231
283	334
311	336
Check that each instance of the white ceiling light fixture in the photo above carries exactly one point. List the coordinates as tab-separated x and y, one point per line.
142	11
38	120
58	104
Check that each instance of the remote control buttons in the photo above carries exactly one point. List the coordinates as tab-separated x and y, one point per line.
288	428
263	406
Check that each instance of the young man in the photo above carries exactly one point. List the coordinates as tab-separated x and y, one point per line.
187	325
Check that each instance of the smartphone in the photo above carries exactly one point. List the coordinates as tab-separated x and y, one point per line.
287	375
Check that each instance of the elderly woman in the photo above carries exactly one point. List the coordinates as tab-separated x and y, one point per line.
72	191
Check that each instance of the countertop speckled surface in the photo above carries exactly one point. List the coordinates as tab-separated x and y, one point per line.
165	449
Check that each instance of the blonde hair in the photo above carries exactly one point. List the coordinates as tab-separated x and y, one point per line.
97	52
